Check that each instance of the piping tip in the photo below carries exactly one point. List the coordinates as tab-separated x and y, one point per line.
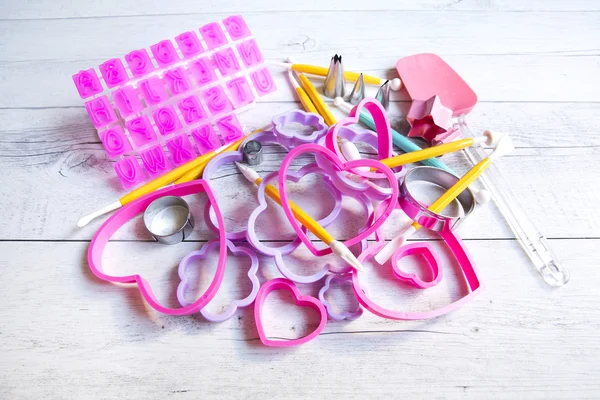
383	94
334	81
358	91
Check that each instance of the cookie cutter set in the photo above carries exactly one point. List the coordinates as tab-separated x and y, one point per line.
166	95
216	80
299	144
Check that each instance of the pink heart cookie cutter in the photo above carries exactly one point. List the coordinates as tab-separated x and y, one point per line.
138	206
236	250
457	248
340	166
465	262
424	250
306	301
341	180
279	252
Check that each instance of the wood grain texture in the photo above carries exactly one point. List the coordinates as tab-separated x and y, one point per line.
66	334
38	9
555	49
86	339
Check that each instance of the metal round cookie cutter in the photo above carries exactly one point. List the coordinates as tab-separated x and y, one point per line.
418	211
169	219
253	154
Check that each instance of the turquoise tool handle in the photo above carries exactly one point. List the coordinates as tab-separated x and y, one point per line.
404	143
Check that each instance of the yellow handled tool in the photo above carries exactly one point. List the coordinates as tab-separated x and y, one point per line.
314	95
489	138
184	173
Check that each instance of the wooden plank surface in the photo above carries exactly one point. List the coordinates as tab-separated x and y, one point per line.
65	334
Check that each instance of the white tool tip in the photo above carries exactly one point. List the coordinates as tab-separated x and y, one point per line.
248	172
340	250
83	221
503	147
395	84
492	138
390	248
342	104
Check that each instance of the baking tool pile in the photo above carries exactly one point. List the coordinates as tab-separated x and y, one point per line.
170	118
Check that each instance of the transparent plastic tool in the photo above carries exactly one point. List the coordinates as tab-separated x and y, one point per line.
531	239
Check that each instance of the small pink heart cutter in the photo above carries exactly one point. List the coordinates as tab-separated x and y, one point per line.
303	301
425	250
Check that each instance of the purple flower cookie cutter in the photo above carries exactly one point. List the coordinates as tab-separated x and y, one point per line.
201	254
349	315
295	137
286	138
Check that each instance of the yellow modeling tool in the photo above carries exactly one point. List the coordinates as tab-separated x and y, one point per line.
191	170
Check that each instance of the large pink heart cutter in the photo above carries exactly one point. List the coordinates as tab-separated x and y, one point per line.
340	166
465	262
138	206
303	301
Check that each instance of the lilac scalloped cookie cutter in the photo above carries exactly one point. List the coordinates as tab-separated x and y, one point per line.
349	315
306	301
287	140
201	254
341	180
127	213
424	250
292	137
279	252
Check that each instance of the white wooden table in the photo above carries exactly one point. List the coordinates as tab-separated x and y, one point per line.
65	334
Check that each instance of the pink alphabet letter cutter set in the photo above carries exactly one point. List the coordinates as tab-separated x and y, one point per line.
149	109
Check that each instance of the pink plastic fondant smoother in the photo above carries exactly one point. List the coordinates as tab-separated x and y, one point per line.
427	75
180	94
